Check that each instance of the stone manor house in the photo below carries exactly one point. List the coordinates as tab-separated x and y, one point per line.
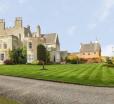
19	36
90	50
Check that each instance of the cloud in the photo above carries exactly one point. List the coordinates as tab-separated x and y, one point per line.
72	30
108	50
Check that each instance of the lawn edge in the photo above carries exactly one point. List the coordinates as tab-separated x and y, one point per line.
40	79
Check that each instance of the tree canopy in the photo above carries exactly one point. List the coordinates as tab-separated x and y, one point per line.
41	53
18	56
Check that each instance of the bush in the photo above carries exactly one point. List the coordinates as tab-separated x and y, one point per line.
109	61
92	60
18	56
108	65
35	62
8	62
73	60
82	60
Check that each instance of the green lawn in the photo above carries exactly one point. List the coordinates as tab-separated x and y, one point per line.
86	74
4	100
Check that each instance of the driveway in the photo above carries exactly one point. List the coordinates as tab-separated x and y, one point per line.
30	91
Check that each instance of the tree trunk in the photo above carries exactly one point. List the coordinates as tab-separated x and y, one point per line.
43	65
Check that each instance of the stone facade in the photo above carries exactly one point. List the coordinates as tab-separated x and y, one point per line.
7	43
90	50
64	54
19	36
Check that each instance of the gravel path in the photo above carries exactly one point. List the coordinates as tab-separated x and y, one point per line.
30	91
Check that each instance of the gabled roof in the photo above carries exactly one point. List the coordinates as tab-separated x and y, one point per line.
50	38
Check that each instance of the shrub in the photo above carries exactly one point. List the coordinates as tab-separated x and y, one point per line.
8	62
82	60
73	60
35	62
91	60
109	61
108	65
18	56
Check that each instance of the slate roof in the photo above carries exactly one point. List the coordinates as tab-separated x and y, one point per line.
51	38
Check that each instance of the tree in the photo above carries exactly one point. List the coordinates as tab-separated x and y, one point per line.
42	54
109	61
14	56
73	59
18	56
47	57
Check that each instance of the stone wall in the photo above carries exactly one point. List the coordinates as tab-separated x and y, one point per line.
7	43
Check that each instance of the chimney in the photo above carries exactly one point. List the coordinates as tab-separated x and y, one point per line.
38	30
18	22
2	24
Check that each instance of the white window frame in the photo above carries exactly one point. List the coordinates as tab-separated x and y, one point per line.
30	45
2	58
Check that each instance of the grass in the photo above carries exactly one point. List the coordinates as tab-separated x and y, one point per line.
85	74
4	100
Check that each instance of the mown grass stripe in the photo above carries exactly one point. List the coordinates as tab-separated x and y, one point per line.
108	75
73	76
59	71
88	74
94	72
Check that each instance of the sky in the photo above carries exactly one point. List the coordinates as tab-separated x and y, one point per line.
75	21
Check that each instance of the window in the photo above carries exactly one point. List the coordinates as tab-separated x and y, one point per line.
30	58
5	45
2	57
30	45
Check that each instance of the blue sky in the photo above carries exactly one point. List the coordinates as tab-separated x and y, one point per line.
75	21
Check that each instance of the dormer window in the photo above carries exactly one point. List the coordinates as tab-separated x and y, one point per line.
30	45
